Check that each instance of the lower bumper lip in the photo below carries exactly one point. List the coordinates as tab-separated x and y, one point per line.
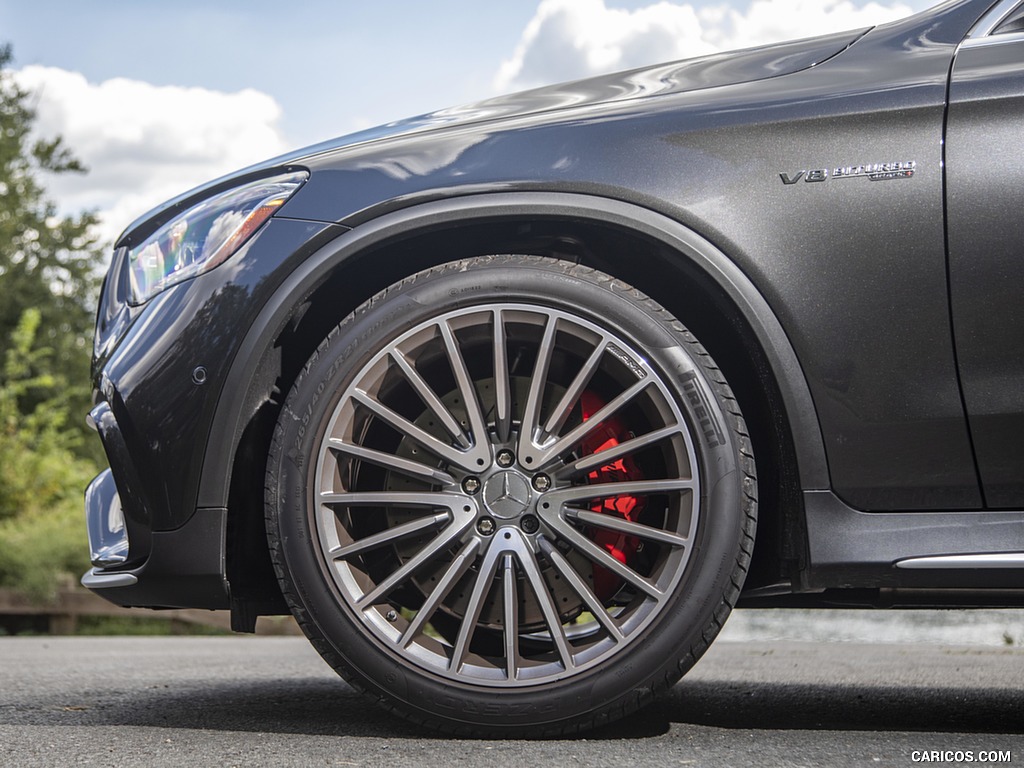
108	535
97	579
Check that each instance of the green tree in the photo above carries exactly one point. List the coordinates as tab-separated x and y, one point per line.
42	532
48	283
48	261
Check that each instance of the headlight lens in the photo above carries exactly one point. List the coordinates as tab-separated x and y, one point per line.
207	234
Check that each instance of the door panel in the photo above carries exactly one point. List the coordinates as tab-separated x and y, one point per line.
985	198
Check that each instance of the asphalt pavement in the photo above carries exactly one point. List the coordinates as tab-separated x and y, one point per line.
245	701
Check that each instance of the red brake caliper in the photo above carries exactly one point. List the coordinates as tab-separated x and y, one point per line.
622	547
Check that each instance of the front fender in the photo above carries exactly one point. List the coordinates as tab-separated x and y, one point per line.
233	411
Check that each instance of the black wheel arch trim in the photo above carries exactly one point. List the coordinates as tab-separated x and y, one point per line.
231	414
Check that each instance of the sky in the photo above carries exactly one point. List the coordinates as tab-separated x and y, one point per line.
157	97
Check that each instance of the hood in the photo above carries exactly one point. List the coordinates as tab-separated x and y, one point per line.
712	71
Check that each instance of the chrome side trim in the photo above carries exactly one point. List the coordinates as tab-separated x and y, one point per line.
94	579
991	20
987	42
945	562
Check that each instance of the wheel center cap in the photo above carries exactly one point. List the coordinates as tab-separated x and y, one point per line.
507	494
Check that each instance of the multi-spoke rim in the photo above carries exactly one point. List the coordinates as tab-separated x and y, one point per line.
470	487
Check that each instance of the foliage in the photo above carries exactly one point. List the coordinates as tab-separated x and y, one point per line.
48	281
42	533
41	547
47	261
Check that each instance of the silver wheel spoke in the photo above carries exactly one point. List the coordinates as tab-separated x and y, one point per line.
577	433
557	559
611	490
430	398
510	604
601	557
502	390
434	548
481	587
473	411
451	576
613	523
561	411
395	498
610	455
421	436
531	414
547	607
389	536
389	461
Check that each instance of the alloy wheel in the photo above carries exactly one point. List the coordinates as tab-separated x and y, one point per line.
506	495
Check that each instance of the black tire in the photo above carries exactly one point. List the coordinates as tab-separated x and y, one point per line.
364	481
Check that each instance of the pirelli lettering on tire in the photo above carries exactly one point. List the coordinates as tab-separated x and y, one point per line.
702	411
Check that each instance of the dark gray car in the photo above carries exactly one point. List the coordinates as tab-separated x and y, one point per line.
510	404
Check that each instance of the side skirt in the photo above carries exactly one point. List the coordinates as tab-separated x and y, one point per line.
848	549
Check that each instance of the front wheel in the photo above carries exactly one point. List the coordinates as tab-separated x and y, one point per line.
511	496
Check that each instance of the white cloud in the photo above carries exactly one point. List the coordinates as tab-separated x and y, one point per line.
145	143
768	21
569	39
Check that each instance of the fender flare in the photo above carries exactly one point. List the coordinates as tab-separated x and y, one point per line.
232	412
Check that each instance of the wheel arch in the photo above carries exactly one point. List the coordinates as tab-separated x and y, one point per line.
673	264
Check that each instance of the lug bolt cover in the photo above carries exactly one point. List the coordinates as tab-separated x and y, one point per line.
486	526
505	458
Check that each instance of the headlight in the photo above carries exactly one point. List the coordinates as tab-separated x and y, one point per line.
204	236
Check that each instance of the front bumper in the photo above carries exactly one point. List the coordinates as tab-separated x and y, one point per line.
153	414
108	534
184	569
135	565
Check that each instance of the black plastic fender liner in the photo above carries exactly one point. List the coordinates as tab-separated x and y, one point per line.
231	415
